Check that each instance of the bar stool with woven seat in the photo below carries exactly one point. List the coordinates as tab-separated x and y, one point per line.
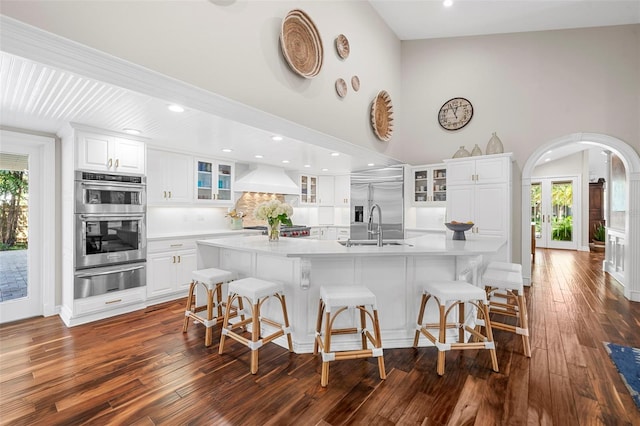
212	279
256	292
449	294
334	301
505	290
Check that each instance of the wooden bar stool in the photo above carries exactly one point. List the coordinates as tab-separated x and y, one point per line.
334	301
505	290
449	294
256	292
212	279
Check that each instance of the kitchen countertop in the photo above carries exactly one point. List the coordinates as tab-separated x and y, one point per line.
433	244
202	234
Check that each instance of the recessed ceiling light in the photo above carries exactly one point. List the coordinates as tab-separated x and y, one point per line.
371	164
227	150
307	165
276	138
132	131
547	159
335	154
548	152
447	3
176	108
285	161
325	170
258	156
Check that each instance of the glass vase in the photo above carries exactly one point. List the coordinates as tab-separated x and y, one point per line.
461	153
273	231
495	145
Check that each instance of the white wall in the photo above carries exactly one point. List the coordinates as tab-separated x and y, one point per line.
234	51
530	88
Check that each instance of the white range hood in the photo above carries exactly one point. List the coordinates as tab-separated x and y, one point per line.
262	178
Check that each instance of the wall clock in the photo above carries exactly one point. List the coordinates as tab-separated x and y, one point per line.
455	114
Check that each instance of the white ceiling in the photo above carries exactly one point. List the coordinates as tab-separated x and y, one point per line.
423	19
40	98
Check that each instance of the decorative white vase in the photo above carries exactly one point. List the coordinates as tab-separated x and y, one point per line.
461	153
495	145
476	151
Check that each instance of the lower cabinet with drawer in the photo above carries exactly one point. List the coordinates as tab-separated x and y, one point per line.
170	264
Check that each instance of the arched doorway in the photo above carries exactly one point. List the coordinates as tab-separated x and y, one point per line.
631	161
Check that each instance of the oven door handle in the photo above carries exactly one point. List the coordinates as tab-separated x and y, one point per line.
115	271
111	216
111	185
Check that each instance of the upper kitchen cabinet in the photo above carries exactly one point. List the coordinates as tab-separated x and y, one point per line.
108	153
169	177
308	189
342	191
429	185
480	190
483	169
325	190
214	181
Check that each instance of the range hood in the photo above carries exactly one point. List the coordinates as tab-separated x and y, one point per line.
268	179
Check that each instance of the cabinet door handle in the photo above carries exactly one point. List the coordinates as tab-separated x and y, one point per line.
113	301
176	245
117	162
164	194
179	259
174	259
110	163
169	194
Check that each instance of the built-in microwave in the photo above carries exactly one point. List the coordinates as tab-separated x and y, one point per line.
107	193
105	239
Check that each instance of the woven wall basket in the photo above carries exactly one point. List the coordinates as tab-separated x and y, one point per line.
301	44
382	116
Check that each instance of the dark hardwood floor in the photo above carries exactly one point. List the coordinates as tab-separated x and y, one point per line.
139	369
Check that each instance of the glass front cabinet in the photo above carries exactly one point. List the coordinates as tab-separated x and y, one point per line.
308	189
214	181
430	185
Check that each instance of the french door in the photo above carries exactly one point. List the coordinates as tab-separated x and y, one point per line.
30	277
554	211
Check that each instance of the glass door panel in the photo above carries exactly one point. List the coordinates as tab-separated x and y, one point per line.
552	212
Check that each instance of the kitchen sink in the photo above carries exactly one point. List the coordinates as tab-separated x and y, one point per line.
354	243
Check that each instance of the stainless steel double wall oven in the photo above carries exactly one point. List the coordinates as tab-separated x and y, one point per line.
110	224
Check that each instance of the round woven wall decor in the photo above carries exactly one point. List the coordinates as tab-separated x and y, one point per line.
301	44
382	116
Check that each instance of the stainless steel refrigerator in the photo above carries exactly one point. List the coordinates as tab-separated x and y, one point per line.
384	187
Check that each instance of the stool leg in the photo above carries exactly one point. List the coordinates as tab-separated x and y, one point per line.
487	322
285	315
324	380
442	338
219	298
255	335
376	330
189	306
225	322
208	336
318	326
524	324
461	322
423	303
363	325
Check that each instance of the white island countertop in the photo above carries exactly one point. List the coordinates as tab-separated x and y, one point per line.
433	244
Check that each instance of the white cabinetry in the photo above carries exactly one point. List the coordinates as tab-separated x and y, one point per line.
214	181
325	190
308	189
480	190
342	191
107	153
169	177
430	185
170	264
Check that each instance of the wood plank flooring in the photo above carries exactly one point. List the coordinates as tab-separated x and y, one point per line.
140	369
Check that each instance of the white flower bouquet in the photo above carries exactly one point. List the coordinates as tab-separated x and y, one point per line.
274	212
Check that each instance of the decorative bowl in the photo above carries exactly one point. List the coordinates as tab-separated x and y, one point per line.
458	229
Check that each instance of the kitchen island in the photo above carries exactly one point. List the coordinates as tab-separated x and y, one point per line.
392	272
